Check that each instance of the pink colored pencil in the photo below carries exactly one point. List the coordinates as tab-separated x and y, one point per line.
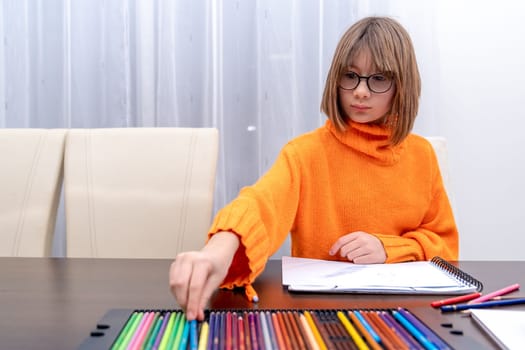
141	331
497	293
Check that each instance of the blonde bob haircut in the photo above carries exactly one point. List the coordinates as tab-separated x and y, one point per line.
391	51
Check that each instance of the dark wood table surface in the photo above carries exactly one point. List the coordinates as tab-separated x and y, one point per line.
54	303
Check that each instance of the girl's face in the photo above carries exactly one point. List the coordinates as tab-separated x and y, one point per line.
360	104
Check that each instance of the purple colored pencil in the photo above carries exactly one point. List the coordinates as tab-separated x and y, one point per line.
401	332
431	336
211	328
162	329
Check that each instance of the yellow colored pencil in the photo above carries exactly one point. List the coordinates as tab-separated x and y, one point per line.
203	338
315	331
361	345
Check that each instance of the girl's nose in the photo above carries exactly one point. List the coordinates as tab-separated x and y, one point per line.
362	89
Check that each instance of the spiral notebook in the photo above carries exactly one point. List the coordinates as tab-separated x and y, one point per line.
436	276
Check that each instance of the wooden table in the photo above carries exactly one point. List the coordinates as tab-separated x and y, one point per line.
54	303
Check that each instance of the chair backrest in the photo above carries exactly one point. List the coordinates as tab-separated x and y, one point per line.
439	144
30	184
138	192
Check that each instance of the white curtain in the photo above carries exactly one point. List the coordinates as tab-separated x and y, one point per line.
253	69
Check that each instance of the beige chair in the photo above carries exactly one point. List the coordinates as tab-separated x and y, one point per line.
138	192
30	184
440	147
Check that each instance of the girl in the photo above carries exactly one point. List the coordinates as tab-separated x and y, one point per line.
361	188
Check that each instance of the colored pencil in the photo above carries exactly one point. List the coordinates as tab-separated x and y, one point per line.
142	331
222	331
171	331
234	331
295	329
259	330
455	300
400	331
162	330
372	338
504	302
240	328
356	337
387	340
497	293
322	330
253	331
155	330
278	333
132	330
271	330
228	330
431	336
308	331
247	335
287	337
117	345
265	331
290	331
420	337
211	330
315	331
203	337
193	335
342	339
182	342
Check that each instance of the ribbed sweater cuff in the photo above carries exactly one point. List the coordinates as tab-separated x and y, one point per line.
400	249
250	259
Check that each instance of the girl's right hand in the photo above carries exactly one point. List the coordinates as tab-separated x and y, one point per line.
195	275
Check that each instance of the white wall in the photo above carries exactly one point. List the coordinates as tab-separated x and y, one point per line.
482	91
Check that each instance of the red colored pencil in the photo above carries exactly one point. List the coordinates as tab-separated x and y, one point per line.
454	300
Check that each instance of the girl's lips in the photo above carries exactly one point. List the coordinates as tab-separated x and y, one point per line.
360	107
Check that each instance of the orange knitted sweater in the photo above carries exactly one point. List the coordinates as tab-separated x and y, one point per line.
325	184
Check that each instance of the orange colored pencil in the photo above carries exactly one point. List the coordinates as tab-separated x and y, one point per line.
295	329
393	337
240	332
369	339
278	333
307	330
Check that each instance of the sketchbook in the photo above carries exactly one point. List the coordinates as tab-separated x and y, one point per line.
436	276
505	327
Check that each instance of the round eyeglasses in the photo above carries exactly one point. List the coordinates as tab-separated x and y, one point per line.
378	83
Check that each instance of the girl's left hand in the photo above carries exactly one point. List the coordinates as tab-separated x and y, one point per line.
360	247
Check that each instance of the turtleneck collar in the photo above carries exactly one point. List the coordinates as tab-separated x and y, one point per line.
369	139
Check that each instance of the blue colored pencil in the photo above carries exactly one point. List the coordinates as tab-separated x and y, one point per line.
460	307
193	335
367	326
185	335
271	330
424	329
399	330
414	331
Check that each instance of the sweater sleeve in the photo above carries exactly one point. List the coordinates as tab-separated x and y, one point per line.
437	234
262	216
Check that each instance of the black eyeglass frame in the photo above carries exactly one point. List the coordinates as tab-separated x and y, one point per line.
367	79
